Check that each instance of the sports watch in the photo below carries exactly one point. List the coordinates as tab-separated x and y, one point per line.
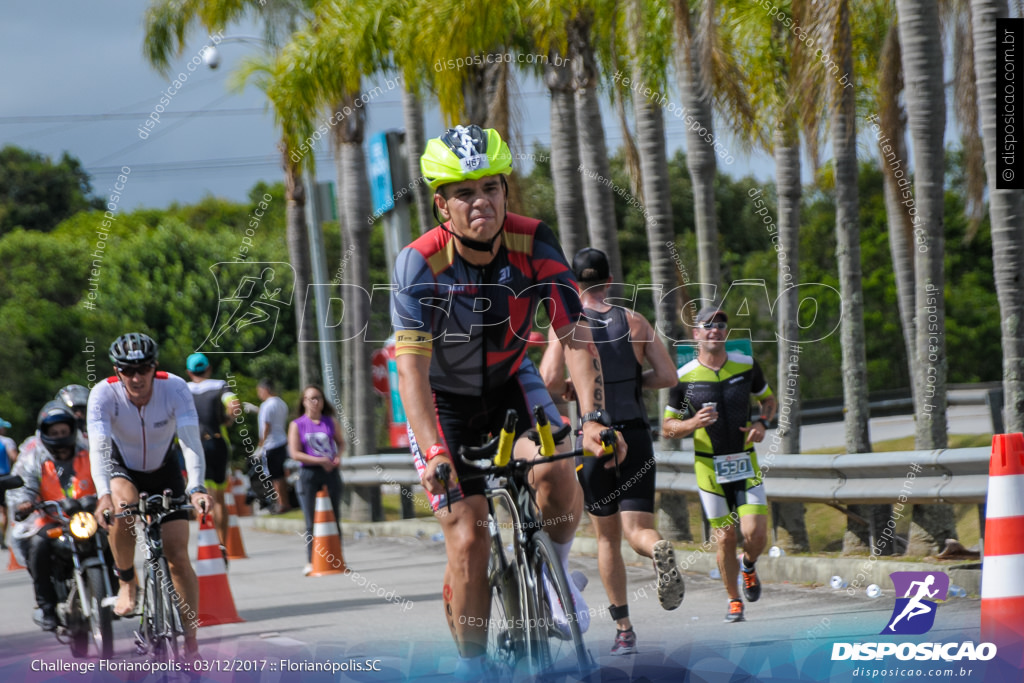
600	416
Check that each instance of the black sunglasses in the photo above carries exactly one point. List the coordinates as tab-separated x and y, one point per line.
132	370
713	326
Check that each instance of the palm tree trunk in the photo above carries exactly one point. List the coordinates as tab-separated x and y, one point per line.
858	535
565	159
1006	208
415	143
789	516
700	155
892	125
357	417
650	135
297	237
594	168
921	42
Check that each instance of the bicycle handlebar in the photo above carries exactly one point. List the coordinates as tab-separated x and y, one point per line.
156	504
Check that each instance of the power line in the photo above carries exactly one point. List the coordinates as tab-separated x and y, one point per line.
82	118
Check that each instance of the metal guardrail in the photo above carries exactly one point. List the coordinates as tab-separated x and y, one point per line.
957	475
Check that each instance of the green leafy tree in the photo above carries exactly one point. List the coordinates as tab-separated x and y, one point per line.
37	194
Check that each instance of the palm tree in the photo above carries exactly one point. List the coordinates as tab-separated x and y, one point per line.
922	54
696	39
834	28
772	53
1007	216
168	24
594	167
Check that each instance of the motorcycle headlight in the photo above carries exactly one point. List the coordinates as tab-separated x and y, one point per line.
83	525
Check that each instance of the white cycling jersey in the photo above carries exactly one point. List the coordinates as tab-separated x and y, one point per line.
143	435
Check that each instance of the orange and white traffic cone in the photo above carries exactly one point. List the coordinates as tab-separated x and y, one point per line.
13	564
327	558
238	488
216	606
1002	572
236	550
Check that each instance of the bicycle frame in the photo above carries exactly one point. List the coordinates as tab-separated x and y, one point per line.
160	623
517	497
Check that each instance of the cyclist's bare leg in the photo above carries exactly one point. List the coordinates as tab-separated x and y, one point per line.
559	495
175	537
725	538
755	535
466	594
639	530
220	514
122	536
610	563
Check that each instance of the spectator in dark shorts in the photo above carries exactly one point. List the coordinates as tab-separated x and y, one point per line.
315	441
273	431
217	406
621	504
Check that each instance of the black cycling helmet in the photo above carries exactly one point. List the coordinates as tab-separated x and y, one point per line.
55	412
133	348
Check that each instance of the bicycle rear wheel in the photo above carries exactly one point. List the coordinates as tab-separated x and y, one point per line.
559	647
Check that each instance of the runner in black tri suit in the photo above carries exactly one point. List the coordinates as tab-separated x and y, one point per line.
623	504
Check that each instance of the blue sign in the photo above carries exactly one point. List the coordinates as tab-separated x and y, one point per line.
381	190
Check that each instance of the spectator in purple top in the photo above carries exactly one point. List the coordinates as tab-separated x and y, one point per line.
314	441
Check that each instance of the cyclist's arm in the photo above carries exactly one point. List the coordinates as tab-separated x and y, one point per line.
100	443
192	450
552	366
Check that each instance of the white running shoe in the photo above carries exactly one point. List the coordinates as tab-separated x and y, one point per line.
558	614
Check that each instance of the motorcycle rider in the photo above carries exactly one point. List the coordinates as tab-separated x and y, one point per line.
76	398
52	469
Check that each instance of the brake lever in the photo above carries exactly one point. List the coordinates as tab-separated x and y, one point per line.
443	472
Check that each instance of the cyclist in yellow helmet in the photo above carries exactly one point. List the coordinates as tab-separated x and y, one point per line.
466	296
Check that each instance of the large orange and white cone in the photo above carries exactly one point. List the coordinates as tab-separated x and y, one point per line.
327	558
236	550
216	606
238	488
1002	573
13	564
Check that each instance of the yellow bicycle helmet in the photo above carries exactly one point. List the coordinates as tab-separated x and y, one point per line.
464	153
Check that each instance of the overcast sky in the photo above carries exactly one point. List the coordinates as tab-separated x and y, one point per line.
74	79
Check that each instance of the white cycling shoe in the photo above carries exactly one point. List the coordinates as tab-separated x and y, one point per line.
577	581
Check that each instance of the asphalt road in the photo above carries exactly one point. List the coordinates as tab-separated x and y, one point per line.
386	616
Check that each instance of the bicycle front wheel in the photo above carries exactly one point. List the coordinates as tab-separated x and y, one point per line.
555	629
101	621
170	624
507	629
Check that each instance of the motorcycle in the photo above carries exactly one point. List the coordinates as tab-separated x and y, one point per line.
82	575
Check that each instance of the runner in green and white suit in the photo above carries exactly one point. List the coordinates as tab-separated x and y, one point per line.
712	403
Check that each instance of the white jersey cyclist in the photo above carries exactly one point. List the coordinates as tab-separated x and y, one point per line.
141	436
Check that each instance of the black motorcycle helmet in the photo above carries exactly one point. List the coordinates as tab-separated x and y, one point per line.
76	398
133	348
53	413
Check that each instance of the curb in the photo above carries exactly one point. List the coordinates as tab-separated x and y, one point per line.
858	572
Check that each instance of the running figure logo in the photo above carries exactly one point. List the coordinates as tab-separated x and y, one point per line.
914	613
247	315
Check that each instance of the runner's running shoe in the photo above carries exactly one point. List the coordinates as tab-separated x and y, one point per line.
671	587
751	584
735	611
625	642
